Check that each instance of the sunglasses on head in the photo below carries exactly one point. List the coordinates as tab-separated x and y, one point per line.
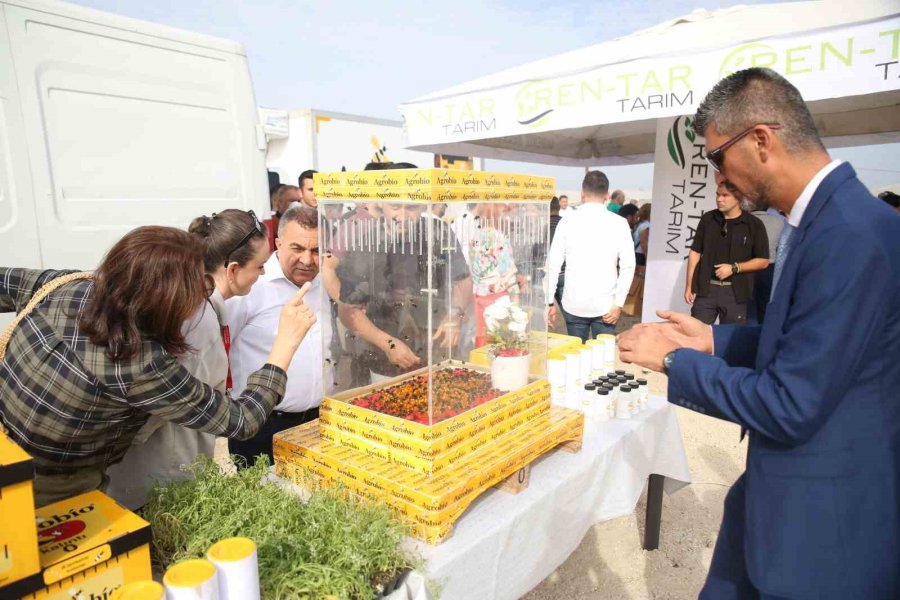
258	227
716	157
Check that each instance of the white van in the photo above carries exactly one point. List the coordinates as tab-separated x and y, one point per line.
107	123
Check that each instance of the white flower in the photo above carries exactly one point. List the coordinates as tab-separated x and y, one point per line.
517	326
499	310
491	323
517	314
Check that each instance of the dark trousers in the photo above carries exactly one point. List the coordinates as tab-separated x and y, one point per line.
720	303
587	328
762	292
261	443
560	286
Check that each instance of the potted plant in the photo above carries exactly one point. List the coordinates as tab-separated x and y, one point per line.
506	323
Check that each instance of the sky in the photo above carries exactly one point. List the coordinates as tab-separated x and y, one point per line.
366	58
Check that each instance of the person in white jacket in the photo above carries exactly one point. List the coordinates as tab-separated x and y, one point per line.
598	252
237	250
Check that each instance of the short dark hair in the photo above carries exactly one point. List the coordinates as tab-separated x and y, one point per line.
759	95
387	166
890	197
563	196
308	174
595	183
149	283
618	194
307	217
628	210
554	205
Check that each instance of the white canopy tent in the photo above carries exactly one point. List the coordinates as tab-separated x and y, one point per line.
600	105
624	102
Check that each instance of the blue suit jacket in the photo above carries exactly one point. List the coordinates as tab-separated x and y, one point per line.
818	387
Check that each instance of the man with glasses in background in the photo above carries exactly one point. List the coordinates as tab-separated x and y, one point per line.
729	245
253	322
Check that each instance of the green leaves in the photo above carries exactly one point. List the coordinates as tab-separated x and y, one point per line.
330	545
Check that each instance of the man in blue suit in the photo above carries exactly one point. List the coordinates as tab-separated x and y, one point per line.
816	514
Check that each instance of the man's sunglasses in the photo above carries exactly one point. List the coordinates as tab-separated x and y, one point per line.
716	157
257	228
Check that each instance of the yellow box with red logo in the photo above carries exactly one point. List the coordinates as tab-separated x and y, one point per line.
89	547
18	533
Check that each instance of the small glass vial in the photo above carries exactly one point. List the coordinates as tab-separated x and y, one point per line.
635	398
601	408
620	371
629	376
624	402
644	393
587	398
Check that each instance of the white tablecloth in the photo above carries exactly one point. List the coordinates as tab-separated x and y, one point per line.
505	545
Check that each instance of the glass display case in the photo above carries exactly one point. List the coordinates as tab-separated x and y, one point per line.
425	268
436	294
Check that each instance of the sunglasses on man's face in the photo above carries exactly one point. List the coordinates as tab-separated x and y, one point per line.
257	228
716	157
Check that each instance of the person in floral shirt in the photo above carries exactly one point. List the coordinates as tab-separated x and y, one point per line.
491	263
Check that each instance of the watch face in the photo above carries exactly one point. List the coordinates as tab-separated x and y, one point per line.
667	361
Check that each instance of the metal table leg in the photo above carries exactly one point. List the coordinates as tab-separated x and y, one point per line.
654	511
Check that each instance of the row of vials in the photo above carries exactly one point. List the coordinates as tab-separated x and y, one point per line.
583	378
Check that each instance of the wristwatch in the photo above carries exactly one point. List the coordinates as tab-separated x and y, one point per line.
667	361
735	268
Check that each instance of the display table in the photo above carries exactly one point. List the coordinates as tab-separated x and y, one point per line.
505	545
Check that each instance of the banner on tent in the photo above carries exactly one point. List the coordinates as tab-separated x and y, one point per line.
684	188
844	61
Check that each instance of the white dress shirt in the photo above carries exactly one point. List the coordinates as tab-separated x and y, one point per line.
806	195
599	255
569	210
253	321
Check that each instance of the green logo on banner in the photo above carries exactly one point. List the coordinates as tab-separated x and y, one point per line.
673	141
533	104
746	56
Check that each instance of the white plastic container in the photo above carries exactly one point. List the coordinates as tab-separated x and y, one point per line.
598	357
586	365
192	580
556	377
609	354
236	568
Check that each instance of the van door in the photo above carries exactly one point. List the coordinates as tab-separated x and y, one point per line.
19	243
126	124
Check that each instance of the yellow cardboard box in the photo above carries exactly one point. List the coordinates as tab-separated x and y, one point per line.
339	408
370	441
433	185
18	533
89	544
429	504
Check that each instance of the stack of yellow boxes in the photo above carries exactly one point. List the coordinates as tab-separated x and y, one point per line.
19	565
83	547
429	504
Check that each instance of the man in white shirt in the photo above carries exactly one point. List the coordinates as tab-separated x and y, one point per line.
599	255
564	208
253	321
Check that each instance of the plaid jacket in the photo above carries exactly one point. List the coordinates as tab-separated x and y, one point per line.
71	407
